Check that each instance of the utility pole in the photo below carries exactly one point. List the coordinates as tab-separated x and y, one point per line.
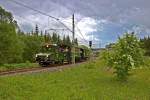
73	44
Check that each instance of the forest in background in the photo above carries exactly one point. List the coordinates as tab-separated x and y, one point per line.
17	46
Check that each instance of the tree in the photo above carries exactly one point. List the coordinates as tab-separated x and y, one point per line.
5	16
32	46
109	46
145	44
41	33
32	33
10	45
64	39
54	38
76	41
68	41
125	55
58	40
36	30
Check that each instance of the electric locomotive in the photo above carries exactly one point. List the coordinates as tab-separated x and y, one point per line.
60	54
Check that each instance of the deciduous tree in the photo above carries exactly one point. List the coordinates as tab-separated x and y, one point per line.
125	55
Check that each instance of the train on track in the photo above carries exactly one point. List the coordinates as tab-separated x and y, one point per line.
61	54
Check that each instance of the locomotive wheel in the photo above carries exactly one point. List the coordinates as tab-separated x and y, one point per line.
43	64
62	62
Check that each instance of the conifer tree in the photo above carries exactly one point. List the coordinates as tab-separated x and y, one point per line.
36	30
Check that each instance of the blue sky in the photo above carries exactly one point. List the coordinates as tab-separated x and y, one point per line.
99	20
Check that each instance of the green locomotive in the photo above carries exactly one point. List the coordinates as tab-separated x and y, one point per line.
60	54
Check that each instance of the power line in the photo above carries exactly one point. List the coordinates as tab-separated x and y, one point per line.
78	31
52	29
24	5
81	33
82	42
57	29
76	34
41	24
27	19
43	13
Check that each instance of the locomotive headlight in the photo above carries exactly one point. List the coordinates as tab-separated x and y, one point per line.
47	56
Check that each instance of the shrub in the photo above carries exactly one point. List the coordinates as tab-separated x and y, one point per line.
125	55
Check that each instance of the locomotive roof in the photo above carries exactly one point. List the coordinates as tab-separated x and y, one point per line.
55	45
64	45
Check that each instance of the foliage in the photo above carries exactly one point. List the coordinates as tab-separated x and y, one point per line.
76	41
125	55
32	45
7	17
10	46
66	40
145	44
54	38
36	30
110	45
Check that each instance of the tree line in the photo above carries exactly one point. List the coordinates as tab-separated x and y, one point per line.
145	44
17	46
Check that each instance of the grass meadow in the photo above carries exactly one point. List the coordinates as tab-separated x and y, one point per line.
90	81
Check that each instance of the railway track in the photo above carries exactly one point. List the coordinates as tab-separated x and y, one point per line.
37	69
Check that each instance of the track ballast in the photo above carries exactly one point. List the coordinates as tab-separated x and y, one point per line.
55	67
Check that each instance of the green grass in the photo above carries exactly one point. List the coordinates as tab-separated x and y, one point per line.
90	81
16	66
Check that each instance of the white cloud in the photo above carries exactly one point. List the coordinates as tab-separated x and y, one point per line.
87	26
